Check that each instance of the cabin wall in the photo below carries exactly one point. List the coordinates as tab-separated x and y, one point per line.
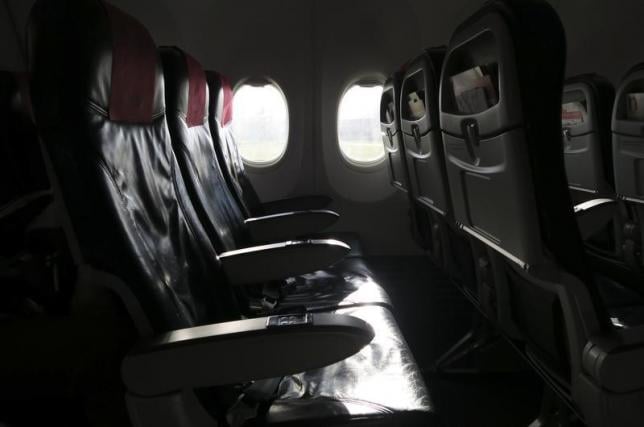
313	49
603	36
361	38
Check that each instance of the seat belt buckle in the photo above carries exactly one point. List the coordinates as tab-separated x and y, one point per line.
289	285
269	303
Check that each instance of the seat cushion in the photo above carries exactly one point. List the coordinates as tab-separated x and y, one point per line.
380	385
349	282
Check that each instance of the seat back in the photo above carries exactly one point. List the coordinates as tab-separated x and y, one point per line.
22	171
628	142
628	161
98	96
24	187
220	118
585	118
419	122
483	120
187	100
425	160
391	134
500	101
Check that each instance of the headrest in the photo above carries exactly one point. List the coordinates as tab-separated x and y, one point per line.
403	68
221	98
134	63
89	54
186	87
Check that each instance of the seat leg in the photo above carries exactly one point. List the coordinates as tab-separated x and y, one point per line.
480	336
554	413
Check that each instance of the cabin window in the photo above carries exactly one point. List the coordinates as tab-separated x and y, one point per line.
260	122
359	124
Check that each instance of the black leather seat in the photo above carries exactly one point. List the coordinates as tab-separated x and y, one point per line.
32	254
230	159
365	387
346	283
100	108
52	356
501	93
24	189
23	172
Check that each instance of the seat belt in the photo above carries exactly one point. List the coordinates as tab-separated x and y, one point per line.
262	391
254	402
271	295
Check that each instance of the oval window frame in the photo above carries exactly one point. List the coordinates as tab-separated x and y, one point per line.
257	82
363	166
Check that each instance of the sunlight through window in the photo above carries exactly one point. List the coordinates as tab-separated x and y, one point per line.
260	123
359	125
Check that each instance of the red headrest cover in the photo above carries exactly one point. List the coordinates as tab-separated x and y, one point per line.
134	64
196	92
227	93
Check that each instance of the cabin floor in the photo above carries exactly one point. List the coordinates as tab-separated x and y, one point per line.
434	315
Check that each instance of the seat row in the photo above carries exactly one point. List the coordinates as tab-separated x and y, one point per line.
473	134
601	153
211	313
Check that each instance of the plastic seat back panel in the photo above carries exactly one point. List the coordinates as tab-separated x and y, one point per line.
391	134
421	132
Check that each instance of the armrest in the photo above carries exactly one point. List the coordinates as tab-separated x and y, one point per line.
594	214
289	224
28	205
297	204
614	362
280	260
241	351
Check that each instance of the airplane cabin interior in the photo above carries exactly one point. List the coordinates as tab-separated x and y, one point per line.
321	213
